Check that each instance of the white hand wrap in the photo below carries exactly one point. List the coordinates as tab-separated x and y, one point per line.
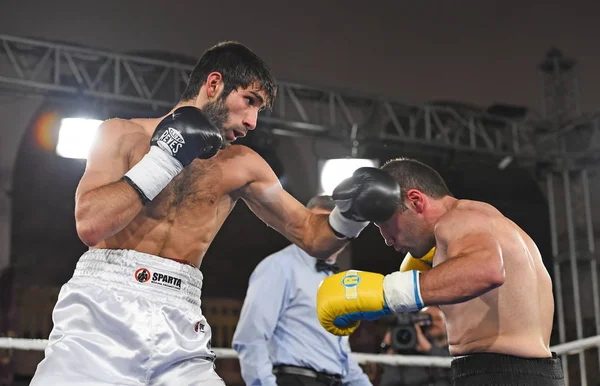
154	172
402	291
345	226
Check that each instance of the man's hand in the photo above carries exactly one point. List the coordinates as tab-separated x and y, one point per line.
187	134
346	298
423	344
371	194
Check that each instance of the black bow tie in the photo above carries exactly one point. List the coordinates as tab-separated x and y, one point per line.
322	265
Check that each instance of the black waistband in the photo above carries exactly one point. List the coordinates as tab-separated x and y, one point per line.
481	363
330	379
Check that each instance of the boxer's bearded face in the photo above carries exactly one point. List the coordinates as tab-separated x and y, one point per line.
236	113
217	112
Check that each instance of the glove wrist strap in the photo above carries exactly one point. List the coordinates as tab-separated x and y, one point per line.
344	226
153	172
137	189
402	291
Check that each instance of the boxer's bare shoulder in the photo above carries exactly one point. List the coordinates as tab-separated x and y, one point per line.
116	138
120	129
254	167
473	210
469	221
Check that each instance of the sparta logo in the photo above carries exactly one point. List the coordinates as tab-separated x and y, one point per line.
142	275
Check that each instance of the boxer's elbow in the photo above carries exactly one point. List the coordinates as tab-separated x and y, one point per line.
88	234
87	229
495	273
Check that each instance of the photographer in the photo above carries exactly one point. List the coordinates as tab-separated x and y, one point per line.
426	335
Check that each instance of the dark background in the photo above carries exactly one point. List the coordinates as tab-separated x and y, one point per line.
473	51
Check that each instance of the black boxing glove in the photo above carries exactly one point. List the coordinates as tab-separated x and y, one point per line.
187	134
181	137
370	195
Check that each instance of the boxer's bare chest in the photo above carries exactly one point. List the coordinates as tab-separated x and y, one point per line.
201	188
197	186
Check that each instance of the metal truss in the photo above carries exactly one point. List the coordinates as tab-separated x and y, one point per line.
48	67
360	118
575	144
59	69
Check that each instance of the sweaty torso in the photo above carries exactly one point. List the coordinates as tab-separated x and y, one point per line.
515	318
181	222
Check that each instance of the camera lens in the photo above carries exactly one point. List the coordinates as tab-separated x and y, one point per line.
403	336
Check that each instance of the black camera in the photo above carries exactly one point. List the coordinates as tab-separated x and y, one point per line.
404	333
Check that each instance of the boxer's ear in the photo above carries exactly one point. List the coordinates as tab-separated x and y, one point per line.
214	84
416	200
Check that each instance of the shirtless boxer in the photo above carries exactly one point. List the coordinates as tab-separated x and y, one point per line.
154	194
488	278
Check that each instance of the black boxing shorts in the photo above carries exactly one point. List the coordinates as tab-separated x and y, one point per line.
500	369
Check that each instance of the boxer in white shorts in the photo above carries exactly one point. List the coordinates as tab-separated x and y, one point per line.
129	318
153	196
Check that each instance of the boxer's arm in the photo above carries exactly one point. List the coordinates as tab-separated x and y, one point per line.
265	196
474	266
104	203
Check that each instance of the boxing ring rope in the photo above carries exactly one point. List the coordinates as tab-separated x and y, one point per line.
568	348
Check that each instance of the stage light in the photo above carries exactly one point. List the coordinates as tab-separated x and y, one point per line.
334	171
76	136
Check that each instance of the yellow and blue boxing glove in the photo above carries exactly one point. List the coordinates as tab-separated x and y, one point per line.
346	298
411	263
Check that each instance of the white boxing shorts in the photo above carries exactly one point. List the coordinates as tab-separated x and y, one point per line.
129	318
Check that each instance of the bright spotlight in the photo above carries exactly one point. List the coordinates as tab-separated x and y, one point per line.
334	171
76	136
